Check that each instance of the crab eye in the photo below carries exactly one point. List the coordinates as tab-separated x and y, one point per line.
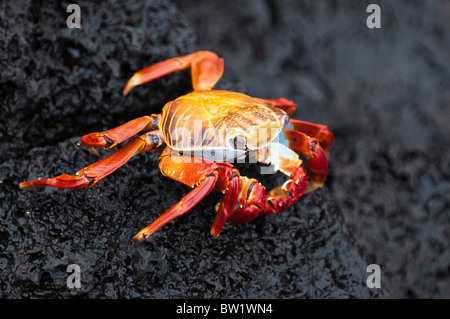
239	142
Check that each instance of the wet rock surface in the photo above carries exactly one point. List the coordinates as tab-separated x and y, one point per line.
382	92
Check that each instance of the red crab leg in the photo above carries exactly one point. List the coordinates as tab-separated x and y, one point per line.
193	171
206	70
91	174
284	196
319	131
317	163
226	207
287	105
111	138
251	200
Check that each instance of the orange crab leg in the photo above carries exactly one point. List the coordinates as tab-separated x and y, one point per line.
180	208
206	70
111	138
91	174
204	175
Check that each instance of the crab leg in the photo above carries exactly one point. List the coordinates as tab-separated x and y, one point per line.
318	131
228	204
206	70
286	105
180	208
316	164
204	175
284	196
91	174
111	138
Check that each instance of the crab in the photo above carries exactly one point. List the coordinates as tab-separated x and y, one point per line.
200	134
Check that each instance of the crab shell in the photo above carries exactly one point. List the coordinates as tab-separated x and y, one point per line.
220	121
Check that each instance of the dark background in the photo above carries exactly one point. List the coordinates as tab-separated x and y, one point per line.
383	92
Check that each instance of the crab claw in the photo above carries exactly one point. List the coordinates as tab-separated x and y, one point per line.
252	201
90	141
134	81
98	140
91	149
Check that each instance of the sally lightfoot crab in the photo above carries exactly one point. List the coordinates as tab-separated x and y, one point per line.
200	133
